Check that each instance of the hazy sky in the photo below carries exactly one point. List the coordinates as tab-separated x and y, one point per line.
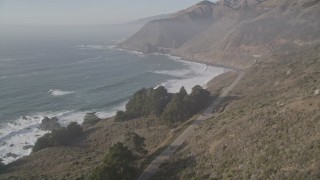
81	12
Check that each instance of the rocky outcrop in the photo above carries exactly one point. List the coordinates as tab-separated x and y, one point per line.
232	32
149	48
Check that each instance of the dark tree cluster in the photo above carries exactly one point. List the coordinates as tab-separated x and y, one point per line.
171	108
118	165
135	143
183	106
91	118
145	102
58	137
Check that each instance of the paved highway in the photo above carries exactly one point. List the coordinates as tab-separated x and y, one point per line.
165	155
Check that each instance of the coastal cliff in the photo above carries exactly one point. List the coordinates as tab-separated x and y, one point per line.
231	32
266	128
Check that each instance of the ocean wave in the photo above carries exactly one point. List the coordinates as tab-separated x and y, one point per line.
140	54
111	47
175	73
95	59
84	46
108	86
21	75
18	136
58	92
194	74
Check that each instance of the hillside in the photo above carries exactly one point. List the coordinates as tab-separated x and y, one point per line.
153	117
231	32
87	152
171	32
268	128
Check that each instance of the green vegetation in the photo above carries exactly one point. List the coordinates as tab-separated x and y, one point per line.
135	143
145	102
118	165
268	130
119	162
183	106
171	108
91	118
58	137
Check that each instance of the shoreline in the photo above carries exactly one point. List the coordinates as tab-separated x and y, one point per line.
10	142
176	57
116	46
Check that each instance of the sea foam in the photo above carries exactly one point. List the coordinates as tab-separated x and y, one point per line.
58	92
195	74
17	137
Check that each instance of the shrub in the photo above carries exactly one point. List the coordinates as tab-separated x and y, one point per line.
118	164
198	98
135	143
145	102
91	118
43	142
58	137
74	129
122	116
174	111
183	106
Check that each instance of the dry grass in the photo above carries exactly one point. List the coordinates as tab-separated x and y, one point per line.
271	132
87	152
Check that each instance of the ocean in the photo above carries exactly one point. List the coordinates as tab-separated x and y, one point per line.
66	75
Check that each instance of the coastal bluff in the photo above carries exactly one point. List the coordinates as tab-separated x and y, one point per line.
231	32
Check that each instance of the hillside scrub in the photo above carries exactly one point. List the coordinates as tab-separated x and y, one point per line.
118	164
270	131
135	143
58	137
79	158
90	119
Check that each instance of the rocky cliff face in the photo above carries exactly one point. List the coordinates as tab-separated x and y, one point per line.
232	32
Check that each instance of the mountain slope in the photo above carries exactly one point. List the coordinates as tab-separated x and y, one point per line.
172	32
268	127
232	32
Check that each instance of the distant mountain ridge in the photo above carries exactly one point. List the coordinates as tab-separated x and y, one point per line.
143	21
231	32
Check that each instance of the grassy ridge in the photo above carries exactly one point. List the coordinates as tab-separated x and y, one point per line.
269	130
